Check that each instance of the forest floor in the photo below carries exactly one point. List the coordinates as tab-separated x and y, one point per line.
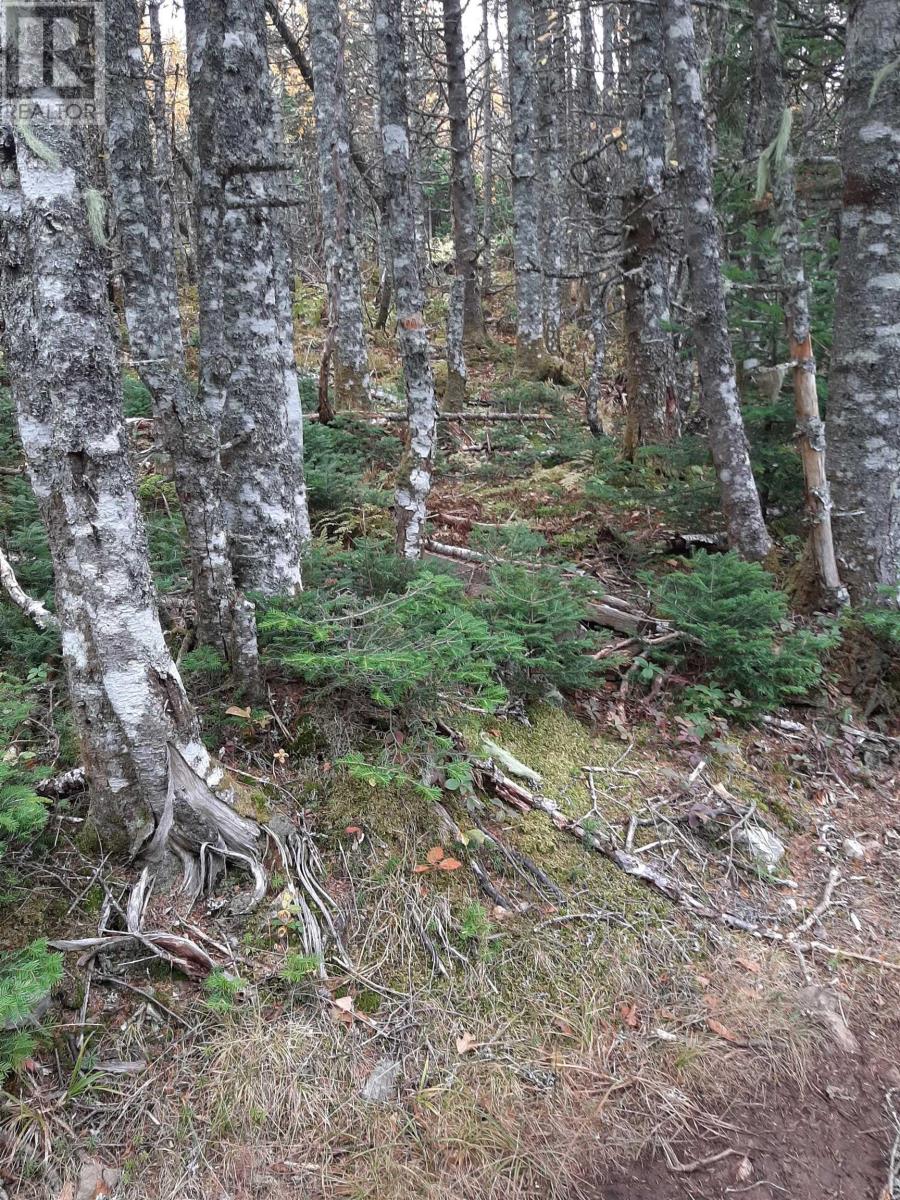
503	1010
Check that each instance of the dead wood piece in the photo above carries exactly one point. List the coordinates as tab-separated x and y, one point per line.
66	784
42	617
698	1164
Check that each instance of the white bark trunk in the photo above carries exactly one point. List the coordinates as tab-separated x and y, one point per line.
127	698
415	478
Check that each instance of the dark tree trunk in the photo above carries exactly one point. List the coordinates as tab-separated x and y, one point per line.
718	385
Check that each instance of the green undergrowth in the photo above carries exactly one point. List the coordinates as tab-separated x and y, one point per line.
407	636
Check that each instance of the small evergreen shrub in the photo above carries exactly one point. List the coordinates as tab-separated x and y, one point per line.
336	457
738	640
25	978
406	635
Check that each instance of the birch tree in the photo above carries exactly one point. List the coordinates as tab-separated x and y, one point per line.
718	385
352	386
146	242
421	409
773	123
248	377
462	177
487	153
530	347
652	413
129	706
864	395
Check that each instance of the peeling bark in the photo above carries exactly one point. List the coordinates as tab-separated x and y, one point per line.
457	374
530	347
421	408
772	99
462	178
248	377
224	619
128	701
652	412
718	385
864	396
352	386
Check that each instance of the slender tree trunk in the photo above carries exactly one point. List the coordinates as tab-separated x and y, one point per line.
550	56
487	172
595	195
652	414
248	377
462	177
224	620
352	385
810	429
718	385
530	347
128	702
162	149
457	373
864	396
421	409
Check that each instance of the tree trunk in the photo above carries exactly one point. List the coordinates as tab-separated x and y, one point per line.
718	385
248	377
421	409
128	701
864	396
457	373
224	620
352	386
162	149
487	154
810	429
652	412
530	348
462	178
551	77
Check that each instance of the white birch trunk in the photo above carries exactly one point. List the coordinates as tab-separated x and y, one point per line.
551	77
421	409
128	702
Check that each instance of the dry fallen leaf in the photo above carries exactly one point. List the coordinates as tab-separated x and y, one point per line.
629	1015
724	1032
234	711
748	964
420	867
449	864
465	1044
434	855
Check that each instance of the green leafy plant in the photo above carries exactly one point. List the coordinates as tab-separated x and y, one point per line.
738	642
299	968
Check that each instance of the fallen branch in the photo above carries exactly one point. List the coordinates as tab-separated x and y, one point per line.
697	1164
42	617
66	784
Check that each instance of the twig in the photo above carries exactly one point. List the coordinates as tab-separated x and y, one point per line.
697	1164
148	996
834	878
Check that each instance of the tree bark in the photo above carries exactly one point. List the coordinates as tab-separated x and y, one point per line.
530	347
551	77
772	101
864	396
248	377
129	706
457	372
224	619
487	154
415	479
727	438
652	410
462	177
352	386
